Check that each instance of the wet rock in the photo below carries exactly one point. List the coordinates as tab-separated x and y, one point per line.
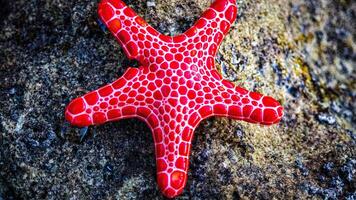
151	4
299	52
301	167
225	175
325	118
328	167
239	133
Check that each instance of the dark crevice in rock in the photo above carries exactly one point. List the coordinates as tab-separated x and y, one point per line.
4	10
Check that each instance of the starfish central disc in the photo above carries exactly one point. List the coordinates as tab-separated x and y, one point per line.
176	87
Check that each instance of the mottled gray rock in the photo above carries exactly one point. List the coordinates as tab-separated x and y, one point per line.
300	52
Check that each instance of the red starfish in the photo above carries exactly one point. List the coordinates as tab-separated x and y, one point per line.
177	86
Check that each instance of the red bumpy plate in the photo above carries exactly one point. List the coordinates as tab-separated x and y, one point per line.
177	86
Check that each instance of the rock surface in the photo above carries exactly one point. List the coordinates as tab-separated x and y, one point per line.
300	52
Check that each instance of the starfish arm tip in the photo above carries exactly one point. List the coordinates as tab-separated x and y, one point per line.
129	29
238	103
219	17
172	158
112	102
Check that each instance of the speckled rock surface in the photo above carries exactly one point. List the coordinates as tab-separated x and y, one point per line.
300	52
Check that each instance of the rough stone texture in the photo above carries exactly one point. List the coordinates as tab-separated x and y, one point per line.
300	52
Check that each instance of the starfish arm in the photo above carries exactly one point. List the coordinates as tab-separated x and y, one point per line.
132	32
172	147
213	25
118	100
225	99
